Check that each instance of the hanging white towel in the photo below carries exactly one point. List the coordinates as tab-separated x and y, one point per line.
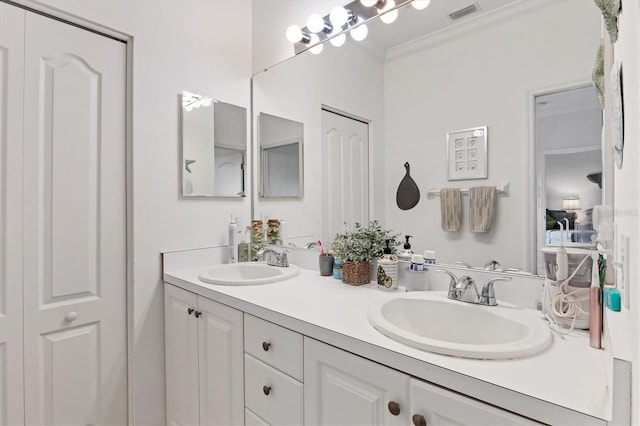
450	209
481	208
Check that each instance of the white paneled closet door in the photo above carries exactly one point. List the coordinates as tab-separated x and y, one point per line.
345	155
74	226
11	84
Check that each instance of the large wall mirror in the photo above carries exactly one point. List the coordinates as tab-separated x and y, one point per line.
425	75
281	157
214	147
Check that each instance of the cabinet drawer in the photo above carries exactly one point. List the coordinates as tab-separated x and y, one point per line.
277	346
252	419
271	394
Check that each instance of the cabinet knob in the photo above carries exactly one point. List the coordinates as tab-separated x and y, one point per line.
190	311
197	314
266	346
394	408
71	316
266	389
419	420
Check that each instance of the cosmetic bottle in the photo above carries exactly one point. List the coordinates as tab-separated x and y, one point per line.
406	252
233	242
387	274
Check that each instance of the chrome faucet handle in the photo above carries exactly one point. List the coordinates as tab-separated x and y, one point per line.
491	265
466	289
453	294
488	295
283	259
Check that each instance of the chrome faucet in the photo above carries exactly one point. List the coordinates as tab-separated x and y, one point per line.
274	258
458	262
492	265
464	289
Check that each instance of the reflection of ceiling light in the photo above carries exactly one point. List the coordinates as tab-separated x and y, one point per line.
338	16
369	3
360	32
191	101
317	49
420	4
387	16
338	40
316	24
295	34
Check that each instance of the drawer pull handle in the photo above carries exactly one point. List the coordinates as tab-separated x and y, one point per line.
266	346
394	408
71	316
419	420
197	314
266	389
190	311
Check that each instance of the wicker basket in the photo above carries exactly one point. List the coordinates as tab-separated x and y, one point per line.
356	273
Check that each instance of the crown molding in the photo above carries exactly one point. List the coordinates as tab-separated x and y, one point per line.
469	26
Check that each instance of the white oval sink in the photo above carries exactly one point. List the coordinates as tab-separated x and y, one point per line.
247	273
429	321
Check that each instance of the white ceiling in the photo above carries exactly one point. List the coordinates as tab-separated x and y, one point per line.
412	24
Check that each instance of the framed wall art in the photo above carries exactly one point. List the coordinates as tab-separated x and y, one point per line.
467	154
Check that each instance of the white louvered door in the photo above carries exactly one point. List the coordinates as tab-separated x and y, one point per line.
74	226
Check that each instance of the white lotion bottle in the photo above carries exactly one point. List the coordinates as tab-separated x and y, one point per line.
233	242
387	274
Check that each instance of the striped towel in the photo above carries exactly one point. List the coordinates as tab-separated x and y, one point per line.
450	209
481	201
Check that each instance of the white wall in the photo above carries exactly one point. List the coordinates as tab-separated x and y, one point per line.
627	190
199	46
483	78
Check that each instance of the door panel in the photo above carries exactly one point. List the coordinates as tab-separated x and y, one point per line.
343	389
221	366
75	226
11	110
345	151
181	356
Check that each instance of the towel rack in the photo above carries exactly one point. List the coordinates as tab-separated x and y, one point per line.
502	190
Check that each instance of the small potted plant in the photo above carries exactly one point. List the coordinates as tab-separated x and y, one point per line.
358	247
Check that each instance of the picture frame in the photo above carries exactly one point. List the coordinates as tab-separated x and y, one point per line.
467	154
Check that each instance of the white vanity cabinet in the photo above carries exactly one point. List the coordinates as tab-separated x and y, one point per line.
273	373
434	406
204	365
342	388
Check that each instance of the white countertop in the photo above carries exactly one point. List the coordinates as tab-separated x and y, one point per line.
568	376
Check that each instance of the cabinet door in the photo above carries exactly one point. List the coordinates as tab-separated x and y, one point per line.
434	406
11	109
221	364
341	388
181	356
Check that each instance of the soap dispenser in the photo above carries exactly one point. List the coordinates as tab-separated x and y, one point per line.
387	275
406	253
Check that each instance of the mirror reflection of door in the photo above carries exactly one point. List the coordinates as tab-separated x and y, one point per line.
345	177
229	172
568	141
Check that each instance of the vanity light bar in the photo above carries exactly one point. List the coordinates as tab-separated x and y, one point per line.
364	14
502	190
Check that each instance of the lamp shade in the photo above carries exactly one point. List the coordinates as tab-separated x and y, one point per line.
571	203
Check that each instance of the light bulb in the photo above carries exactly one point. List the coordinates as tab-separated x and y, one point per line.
338	40
420	4
206	102
294	34
388	17
368	3
188	108
318	47
360	32
315	23
338	16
